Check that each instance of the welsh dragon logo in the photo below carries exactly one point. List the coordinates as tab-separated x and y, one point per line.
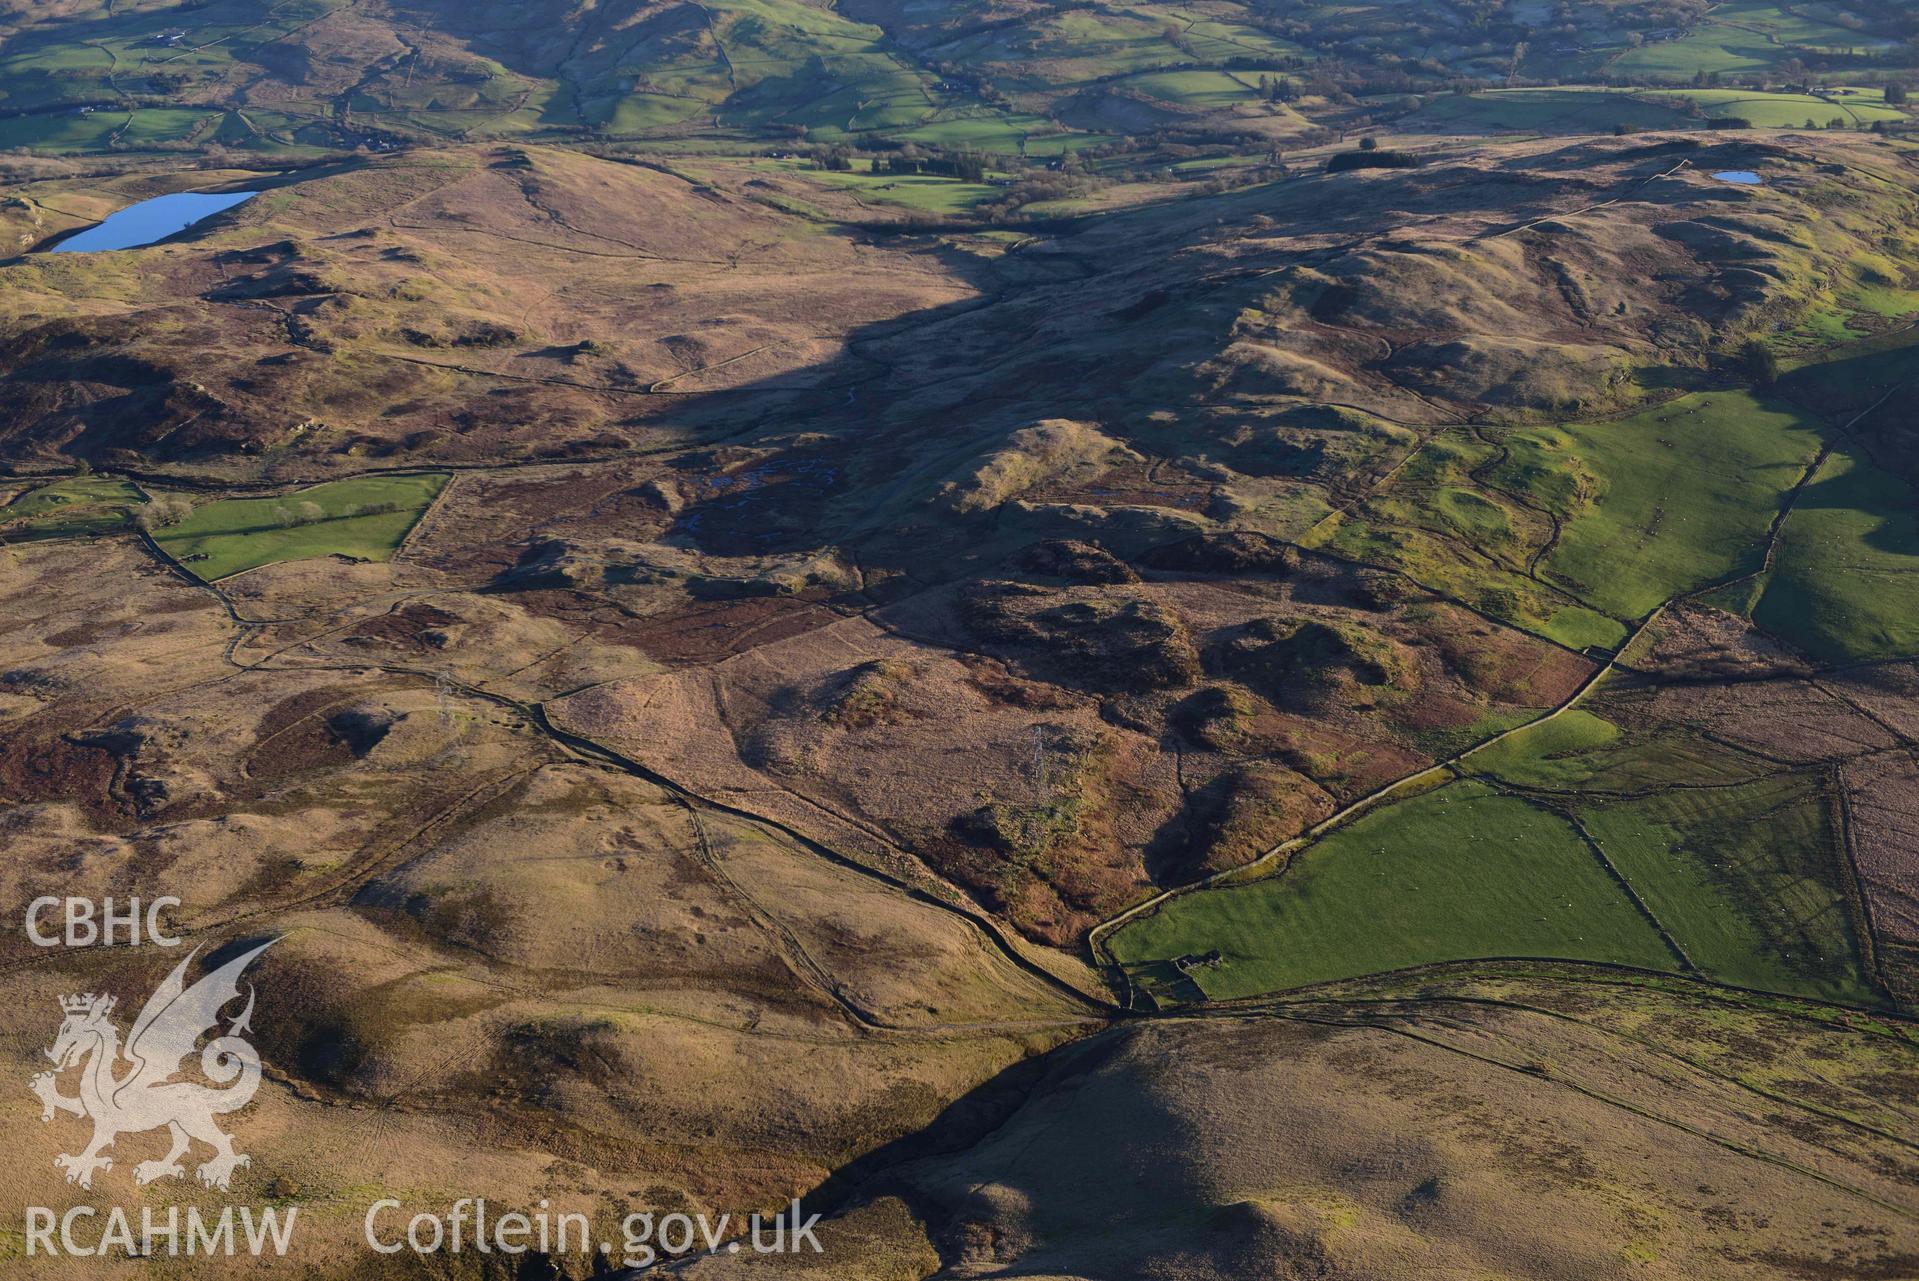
145	1095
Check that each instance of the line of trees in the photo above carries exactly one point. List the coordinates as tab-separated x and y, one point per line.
967	166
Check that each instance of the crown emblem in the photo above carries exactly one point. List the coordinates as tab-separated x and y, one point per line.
165	1036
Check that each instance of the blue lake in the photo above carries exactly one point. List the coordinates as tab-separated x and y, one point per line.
1744	177
151	220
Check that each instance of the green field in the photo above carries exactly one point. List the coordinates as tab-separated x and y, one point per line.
1215	89
236	534
1744	35
81	505
928	193
1845	581
1599	110
996	133
1457	874
1742	868
1739	882
1791	110
1583	750
1540	111
1746	879
1678	496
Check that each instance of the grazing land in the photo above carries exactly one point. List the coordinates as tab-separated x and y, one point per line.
83	505
1677	497
1840	585
1461	874
362	519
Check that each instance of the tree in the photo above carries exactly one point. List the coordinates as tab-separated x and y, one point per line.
165	509
1369	143
1895	95
1760	362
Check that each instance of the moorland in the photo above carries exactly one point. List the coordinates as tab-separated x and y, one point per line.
1111	640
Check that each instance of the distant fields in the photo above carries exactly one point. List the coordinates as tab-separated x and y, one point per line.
1541	111
929	193
1791	110
1599	110
1743	35
1029	81
364	518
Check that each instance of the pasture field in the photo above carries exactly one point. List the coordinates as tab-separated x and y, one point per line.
1791	110
365	518
929	193
72	130
1047	145
1842	585
1582	750
1000	134
1599	109
1457	874
1540	111
58	63
1746	879
1737	879
80	505
1681	494
1850	381
1210	89
1741	36
64	131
